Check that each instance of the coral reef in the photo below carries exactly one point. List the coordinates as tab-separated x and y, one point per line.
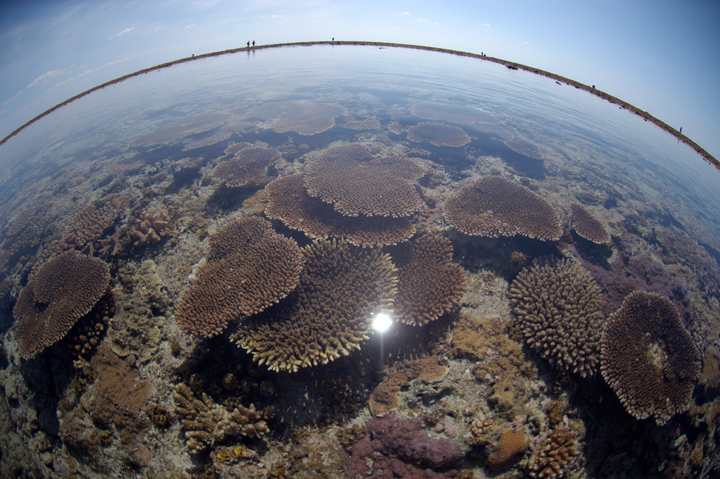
250	268
384	397
90	223
557	306
403	447
587	226
429	284
149	228
142	301
556	451
359	180
367	124
206	423
216	137
524	147
438	134
186	126
648	357
289	202
64	289
89	330
249	167
453	113
509	449
302	116
494	206
328	314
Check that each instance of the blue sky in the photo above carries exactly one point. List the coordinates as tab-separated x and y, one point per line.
662	56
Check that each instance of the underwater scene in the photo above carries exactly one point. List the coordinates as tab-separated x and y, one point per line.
356	262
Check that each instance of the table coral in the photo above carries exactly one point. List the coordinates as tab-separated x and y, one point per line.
648	357
494	206
64	290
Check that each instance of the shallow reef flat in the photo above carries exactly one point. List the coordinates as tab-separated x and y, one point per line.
189	289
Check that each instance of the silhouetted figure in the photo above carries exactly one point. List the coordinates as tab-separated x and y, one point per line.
248	43
333	38
681	129
193	55
253	42
482	54
593	87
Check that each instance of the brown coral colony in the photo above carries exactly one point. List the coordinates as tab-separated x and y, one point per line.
63	290
494	206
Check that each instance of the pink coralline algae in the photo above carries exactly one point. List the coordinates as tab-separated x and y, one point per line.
400	448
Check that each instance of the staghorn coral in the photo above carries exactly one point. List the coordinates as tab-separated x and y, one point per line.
648	357
149	227
558	309
429	284
303	116
188	125
250	267
453	113
328	314
510	447
438	134
494	206
587	226
524	147
289	202
402	448
206	423
27	228
63	290
248	168
358	181
556	451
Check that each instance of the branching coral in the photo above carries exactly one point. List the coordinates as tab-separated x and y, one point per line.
556	452
494	206
328	314
64	289
206	423
557	304
149	227
649	358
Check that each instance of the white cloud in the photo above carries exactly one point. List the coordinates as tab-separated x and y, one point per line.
12	98
526	43
127	30
157	29
422	20
45	77
190	26
486	25
405	13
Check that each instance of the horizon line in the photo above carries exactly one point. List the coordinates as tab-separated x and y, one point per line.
511	65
